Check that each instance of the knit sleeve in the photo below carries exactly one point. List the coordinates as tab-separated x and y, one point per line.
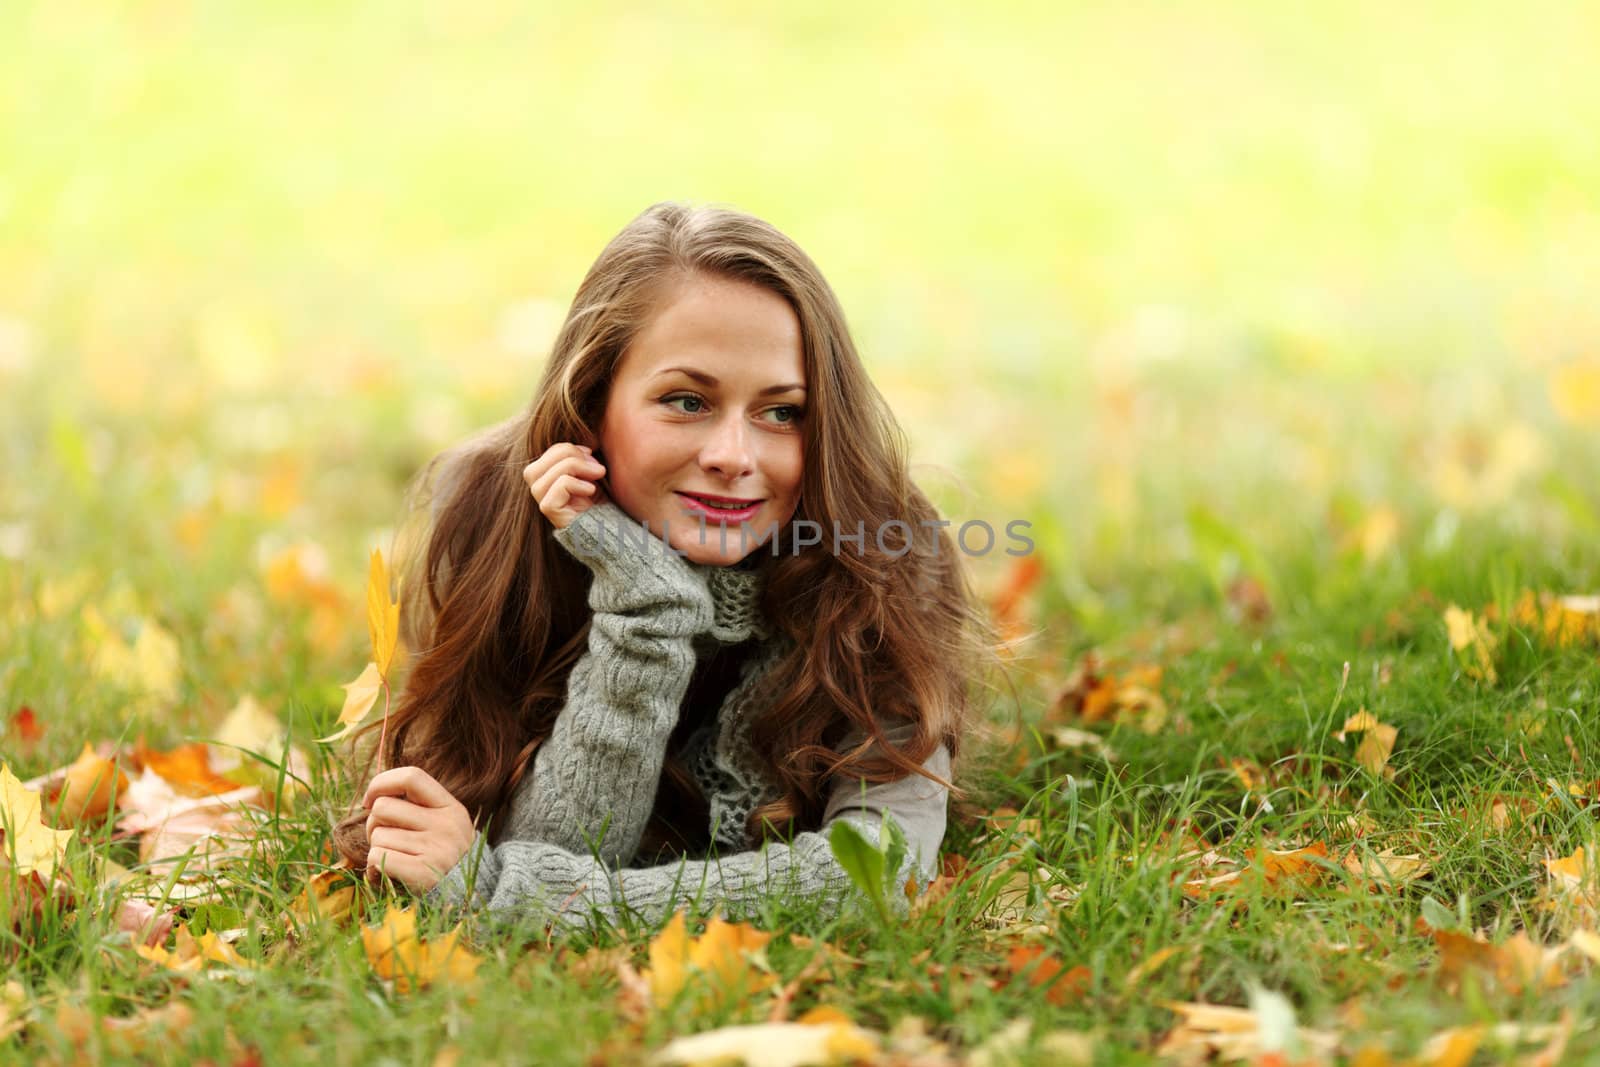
593	781
522	877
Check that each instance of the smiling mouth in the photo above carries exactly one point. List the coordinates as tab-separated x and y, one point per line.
727	503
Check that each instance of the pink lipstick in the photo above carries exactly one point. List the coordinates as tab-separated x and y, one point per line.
706	505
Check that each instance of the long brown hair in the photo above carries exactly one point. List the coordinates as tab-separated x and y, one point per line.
496	614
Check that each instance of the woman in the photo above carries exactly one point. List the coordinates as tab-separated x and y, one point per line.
633	652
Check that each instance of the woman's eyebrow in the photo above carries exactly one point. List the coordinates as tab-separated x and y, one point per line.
707	380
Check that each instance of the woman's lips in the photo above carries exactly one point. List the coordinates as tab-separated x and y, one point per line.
697	507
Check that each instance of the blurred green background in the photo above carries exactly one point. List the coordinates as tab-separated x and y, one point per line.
1202	290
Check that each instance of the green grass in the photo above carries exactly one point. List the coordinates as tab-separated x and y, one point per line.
1197	291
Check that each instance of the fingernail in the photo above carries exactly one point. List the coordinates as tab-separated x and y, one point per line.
586	448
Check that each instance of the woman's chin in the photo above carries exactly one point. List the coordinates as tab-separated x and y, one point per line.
713	554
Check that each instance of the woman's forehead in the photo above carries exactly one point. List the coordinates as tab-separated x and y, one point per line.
720	333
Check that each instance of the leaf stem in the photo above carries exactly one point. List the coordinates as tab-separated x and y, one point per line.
383	733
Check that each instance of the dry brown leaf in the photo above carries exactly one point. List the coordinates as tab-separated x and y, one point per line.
215	827
1386	869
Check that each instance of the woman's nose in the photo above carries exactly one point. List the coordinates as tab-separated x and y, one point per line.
728	450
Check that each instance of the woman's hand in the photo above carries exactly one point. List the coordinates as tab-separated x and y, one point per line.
417	831
563	482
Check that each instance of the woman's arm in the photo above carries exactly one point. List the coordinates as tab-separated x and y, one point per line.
593	781
522	876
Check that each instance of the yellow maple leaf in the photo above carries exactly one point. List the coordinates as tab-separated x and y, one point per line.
360	696
733	954
383	614
397	954
328	895
31	846
190	954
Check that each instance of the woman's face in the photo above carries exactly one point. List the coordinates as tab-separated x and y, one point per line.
706	403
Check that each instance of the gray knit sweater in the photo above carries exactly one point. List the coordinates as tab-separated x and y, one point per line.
578	816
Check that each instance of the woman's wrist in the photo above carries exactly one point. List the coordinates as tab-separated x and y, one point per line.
616	548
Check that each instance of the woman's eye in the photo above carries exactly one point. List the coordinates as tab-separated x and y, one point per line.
791	411
685	397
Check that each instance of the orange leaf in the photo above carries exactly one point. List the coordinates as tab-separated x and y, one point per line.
186	768
87	791
26	726
1044	970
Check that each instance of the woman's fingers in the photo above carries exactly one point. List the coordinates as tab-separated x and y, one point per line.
408	783
393	811
554	454
558	459
393	839
564	472
396	866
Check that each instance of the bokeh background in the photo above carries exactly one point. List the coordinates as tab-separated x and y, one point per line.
1204	291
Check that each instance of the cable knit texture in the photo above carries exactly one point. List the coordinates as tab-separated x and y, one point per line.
580	813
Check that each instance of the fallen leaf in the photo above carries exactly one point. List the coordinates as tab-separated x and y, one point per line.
31	846
396	954
1283	871
732	955
773	1045
123	1037
1071	739
1516	964
190	954
149	667
1377	741
91	785
1205	1030
217	827
1472	642
13	1008
144	923
1386	869
25	725
328	895
186	768
1134	696
1044	971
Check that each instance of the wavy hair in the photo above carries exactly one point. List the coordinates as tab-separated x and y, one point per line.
496	614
